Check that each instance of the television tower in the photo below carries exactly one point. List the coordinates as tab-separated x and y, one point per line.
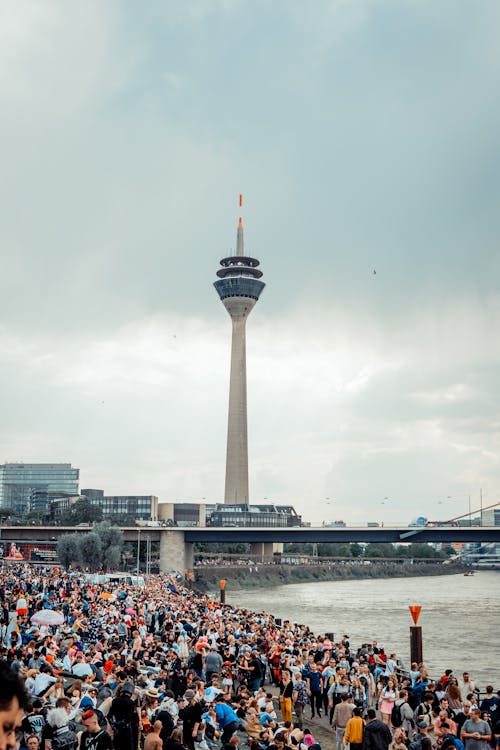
239	288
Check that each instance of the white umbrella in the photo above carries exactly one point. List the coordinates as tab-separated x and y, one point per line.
48	617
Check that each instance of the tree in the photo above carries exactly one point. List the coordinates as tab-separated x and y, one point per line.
334	549
83	511
111	544
380	549
121	519
90	547
68	549
417	549
356	549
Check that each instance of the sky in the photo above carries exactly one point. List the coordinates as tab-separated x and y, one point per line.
364	137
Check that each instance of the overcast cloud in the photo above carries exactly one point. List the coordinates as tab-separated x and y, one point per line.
364	136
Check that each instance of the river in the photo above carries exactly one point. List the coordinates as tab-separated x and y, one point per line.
460	616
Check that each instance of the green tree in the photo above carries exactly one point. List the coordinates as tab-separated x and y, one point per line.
298	548
91	550
334	549
111	543
419	550
5	513
356	549
68	549
228	548
121	519
380	549
83	511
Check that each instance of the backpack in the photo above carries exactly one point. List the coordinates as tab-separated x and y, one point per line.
451	742
64	739
415	744
396	719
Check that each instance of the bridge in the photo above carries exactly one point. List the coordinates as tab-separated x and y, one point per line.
176	544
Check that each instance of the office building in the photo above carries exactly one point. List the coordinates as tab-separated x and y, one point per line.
26	488
239	287
257	516
140	507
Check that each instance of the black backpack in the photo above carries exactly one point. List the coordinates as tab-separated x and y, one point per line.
64	739
396	719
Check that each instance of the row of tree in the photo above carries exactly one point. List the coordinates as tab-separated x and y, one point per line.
373	549
100	549
332	549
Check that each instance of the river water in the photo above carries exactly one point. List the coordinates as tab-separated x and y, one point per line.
460	616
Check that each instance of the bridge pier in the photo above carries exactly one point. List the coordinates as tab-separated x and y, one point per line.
175	552
264	551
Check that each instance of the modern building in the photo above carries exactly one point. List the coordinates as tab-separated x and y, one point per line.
239	287
222	514
27	487
140	507
257	516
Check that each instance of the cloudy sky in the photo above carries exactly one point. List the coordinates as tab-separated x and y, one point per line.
364	135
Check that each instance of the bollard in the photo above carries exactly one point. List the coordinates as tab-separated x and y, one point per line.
416	649
223	591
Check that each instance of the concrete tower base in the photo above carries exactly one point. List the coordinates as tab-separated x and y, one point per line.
175	553
264	551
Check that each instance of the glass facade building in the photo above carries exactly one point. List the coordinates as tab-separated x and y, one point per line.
26	488
141	507
253	515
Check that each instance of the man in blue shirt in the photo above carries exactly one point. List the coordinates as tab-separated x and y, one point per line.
227	719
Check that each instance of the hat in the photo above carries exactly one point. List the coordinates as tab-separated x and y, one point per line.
189	694
86	702
152	693
422	725
128	687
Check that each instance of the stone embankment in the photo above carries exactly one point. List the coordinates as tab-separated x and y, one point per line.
207	578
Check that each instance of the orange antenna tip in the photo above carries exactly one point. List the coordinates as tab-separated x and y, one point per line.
240	223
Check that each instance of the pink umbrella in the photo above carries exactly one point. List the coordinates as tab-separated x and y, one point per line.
48	617
130	611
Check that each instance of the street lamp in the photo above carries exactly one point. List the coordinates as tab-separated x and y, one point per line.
138	549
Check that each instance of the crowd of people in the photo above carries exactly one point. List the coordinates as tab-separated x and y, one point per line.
117	667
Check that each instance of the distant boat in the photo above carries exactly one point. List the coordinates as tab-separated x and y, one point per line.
469	573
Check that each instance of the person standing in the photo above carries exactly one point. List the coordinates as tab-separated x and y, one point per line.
93	736
191	719
387	700
377	734
124	719
476	733
299	696
153	740
286	692
355	730
341	715
405	713
314	689
491	704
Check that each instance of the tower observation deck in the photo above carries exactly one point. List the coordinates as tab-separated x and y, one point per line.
239	287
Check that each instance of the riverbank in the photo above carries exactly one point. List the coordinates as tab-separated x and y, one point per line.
263	576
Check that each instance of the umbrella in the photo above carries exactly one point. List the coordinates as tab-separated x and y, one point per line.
106	595
130	611
48	617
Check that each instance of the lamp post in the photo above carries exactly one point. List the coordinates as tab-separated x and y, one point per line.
138	549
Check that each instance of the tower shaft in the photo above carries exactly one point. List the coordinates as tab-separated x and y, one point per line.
236	487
